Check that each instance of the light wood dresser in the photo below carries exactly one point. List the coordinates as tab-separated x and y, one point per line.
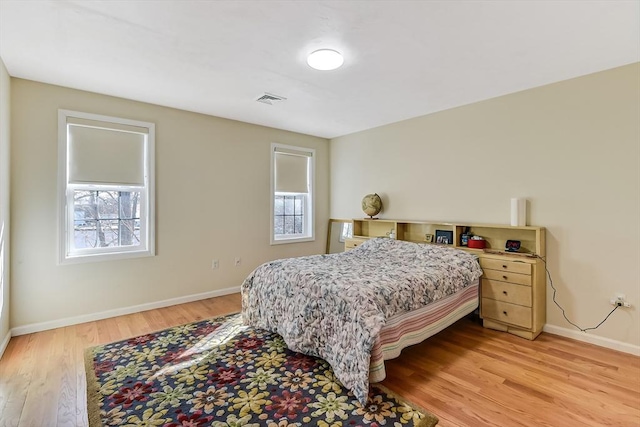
513	286
513	294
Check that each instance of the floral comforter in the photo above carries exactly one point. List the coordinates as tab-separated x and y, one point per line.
333	306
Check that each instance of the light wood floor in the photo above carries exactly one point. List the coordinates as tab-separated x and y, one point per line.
466	375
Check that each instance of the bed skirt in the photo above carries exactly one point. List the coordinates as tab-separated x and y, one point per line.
413	327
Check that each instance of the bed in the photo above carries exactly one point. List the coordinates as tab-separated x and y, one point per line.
356	309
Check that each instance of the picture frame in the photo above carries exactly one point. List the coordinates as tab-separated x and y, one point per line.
428	238
444	237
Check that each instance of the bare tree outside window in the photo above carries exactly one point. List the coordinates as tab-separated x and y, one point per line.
288	214
106	218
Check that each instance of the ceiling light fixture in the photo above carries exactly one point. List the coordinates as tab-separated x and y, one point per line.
325	60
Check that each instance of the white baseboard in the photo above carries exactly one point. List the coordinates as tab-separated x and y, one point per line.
68	321
593	339
5	343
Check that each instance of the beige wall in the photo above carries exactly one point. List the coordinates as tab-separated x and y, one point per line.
5	90
571	148
212	201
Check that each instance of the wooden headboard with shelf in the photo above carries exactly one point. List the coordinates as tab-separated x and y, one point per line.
532	238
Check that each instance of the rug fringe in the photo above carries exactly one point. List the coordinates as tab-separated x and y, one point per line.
93	390
430	419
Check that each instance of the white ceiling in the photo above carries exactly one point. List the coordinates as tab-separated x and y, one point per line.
402	58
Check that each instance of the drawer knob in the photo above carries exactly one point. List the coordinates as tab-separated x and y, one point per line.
504	266
504	292
504	277
505	313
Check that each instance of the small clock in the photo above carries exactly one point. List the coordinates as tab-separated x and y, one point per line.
512	246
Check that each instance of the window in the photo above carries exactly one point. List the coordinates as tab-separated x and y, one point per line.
106	187
292	178
288	214
103	218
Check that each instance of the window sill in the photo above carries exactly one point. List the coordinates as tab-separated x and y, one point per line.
285	240
108	256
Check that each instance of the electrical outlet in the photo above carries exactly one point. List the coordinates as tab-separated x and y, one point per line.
237	261
620	300
215	264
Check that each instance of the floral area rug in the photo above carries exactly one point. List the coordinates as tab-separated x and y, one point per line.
220	373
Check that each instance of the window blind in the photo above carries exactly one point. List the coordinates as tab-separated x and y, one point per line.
105	153
291	170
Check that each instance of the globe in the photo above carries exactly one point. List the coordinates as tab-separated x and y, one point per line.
371	204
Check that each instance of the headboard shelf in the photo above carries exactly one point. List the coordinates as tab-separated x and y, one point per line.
532	238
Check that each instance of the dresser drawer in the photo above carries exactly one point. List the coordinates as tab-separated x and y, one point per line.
504	265
352	243
506	292
503	276
507	313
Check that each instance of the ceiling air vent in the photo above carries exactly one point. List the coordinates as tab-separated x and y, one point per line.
269	98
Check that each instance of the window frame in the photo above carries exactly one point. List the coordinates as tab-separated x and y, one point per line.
66	214
309	209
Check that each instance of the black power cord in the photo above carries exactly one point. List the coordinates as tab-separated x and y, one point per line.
562	309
